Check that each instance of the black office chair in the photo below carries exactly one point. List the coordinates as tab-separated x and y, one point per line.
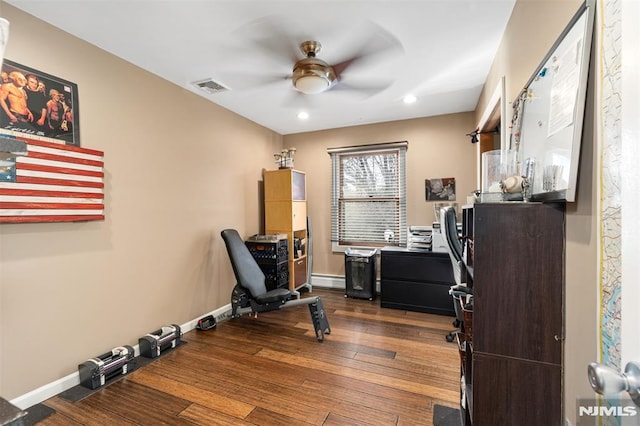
250	294
459	292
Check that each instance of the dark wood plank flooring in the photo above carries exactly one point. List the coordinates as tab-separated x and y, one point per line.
377	367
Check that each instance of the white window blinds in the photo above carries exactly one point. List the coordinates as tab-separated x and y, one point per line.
368	197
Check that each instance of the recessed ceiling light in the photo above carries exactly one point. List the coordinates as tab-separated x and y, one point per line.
303	115
409	99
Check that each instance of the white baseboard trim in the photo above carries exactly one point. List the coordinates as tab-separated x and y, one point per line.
45	392
328	281
333	281
36	396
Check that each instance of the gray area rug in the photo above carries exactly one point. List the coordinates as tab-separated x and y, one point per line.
37	413
446	416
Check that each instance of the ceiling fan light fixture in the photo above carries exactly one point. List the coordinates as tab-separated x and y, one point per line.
311	84
312	75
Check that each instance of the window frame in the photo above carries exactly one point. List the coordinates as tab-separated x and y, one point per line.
337	199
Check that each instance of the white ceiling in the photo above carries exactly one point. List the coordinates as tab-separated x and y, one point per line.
439	50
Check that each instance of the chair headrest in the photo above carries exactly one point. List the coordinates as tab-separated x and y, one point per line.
449	229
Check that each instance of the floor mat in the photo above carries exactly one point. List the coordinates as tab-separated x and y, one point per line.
79	392
446	416
37	413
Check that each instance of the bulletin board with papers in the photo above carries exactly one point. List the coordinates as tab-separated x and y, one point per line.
548	115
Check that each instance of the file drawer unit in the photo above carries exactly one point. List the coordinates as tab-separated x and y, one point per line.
416	280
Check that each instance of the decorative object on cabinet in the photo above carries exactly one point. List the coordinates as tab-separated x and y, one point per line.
514	188
517	313
77	172
285	211
250	294
284	158
59	122
497	166
512	184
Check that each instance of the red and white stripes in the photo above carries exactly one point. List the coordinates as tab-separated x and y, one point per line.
53	183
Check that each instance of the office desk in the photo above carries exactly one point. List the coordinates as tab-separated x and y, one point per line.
416	280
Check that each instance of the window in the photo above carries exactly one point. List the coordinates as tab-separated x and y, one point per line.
368	196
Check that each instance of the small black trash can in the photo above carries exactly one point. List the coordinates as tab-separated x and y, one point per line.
360	273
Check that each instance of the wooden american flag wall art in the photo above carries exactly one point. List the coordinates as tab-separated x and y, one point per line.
54	182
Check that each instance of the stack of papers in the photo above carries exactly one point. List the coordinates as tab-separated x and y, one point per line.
419	237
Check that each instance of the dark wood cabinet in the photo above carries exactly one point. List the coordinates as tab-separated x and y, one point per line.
515	391
515	257
416	280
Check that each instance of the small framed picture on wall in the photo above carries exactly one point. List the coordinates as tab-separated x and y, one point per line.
440	189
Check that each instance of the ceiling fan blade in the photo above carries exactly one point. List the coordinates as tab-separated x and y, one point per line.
251	81
365	89
268	34
373	44
342	66
240	80
299	101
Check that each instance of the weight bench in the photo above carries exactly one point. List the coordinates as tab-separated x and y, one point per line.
250	293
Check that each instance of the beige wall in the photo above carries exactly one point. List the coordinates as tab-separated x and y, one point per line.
438	147
178	170
532	30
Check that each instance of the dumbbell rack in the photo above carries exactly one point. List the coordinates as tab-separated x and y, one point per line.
273	259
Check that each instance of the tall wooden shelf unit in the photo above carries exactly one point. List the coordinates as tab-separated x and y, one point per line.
515	264
285	212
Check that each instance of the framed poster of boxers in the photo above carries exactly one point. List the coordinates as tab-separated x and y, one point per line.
38	105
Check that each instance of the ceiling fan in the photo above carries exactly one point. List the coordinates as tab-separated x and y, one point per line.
312	75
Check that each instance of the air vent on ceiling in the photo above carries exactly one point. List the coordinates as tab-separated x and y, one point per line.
210	86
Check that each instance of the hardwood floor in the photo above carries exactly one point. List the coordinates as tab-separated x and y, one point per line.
377	367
